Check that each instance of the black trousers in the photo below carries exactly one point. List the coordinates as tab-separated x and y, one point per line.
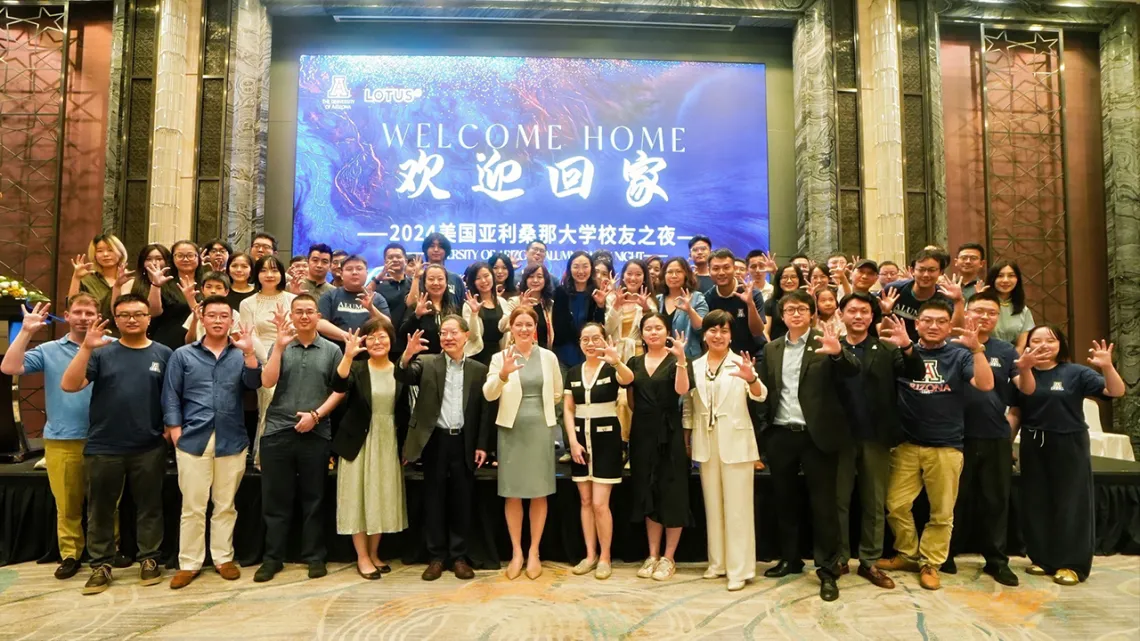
787	452
448	490
1057	509
106	474
982	511
294	465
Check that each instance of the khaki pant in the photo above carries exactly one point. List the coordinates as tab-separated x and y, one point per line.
202	479
728	489
913	468
68	483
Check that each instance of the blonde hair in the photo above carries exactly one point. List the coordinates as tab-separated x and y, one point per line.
115	244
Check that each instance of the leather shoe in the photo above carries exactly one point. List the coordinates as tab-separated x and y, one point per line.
182	578
897	564
783	569
374	575
928	578
317	569
433	571
828	588
462	570
844	569
267	571
1003	575
228	571
67	569
950	567
876	577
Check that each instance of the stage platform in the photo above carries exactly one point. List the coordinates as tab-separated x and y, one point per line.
27	520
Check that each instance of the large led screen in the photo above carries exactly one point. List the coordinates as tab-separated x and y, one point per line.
635	156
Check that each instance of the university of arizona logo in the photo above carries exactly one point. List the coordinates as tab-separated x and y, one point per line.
995	362
932	375
1058	386
339	88
156	367
932	381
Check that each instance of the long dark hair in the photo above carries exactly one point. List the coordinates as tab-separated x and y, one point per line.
262	264
1063	342
142	277
448	304
568	278
637	262
777	290
509	288
1017	296
472	274
547	293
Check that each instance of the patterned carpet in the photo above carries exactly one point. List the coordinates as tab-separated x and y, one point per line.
33	605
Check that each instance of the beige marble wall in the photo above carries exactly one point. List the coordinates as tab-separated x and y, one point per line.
881	130
247	123
817	183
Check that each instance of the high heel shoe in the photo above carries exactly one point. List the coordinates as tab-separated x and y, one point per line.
537	574
514	575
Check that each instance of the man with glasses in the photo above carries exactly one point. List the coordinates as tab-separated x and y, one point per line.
125	442
904	298
263	245
338	257
932	415
345	309
807	424
202	409
217	255
971	267
982	509
316	280
295	445
700	248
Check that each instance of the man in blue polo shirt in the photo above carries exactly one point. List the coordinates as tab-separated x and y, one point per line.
932	413
65	433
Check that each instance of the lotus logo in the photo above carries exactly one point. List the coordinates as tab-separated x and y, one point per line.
392	94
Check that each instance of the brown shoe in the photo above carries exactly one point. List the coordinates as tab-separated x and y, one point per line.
843	569
228	571
434	571
928	578
876	577
182	578
897	564
462	570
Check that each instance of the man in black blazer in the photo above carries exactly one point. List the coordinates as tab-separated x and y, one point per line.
806	426
871	399
449	429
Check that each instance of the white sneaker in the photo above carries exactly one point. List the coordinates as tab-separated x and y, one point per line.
648	567
664	570
712	574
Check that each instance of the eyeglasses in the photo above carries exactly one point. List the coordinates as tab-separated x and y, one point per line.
217	251
134	316
795	310
592	339
305	312
265	246
185	256
986	313
934	321
927	270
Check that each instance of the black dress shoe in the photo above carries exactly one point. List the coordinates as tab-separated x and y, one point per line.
370	576
949	567
317	569
122	561
1002	574
384	569
828	588
67	569
783	569
267	571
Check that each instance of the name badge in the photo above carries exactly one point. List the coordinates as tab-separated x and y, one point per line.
602	429
575	384
603	381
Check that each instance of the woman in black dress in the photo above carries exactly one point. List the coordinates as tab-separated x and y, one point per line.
429	307
658	457
483	311
589	412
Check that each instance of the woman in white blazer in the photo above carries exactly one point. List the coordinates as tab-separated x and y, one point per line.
527	382
722	440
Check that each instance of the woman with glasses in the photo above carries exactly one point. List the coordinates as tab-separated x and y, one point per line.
258	311
589	412
682	303
789	278
169	313
576	302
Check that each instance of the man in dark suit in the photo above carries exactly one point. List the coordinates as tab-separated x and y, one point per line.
449	429
806	426
871	398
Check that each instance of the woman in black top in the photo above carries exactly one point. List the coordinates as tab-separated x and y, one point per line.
1058	509
240	268
169	313
538	292
576	302
483	310
658	458
504	272
790	279
432	305
589	411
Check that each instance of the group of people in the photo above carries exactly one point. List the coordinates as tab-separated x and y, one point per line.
862	376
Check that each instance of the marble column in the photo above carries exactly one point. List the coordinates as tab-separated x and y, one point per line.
937	148
174	99
817	183
1120	105
247	122
113	164
884	224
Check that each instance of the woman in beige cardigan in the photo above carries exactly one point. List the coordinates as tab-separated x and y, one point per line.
527	382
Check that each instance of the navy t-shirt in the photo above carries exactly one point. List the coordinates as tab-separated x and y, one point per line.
933	409
985	411
742	338
343	309
906	307
126	398
1057	403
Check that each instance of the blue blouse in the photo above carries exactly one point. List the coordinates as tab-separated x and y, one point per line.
694	345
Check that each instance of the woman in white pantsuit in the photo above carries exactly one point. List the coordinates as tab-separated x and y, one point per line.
723	442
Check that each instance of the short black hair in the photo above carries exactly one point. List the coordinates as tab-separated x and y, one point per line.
302	298
217	277
264	263
722	253
936	254
859	296
986	294
219	241
436	237
755	253
297	259
938	304
215	300
888	262
266	236
354	258
974	246
1063	355
339	252
535	242
796	257
838	255
700	238
130	297
320	248
390	247
797	296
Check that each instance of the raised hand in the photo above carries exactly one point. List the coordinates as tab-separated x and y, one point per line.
745	293
768	262
530	297
473	303
518	262
609	353
96	335
950	286
642	299
1030	358
747	370
189	289
354	344
35	319
599	296
677	346
828	342
415	266
81	267
242	338
423	306
980	287
159	276
968	336
1100	354
367	298
887	300
285	331
122	276
295	286
893	331
684	302
511	362
416	344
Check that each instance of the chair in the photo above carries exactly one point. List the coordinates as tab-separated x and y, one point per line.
1117	446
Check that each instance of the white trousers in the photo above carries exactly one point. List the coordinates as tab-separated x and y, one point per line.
201	478
728	489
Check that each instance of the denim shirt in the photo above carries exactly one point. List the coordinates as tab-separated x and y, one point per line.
203	394
694	345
